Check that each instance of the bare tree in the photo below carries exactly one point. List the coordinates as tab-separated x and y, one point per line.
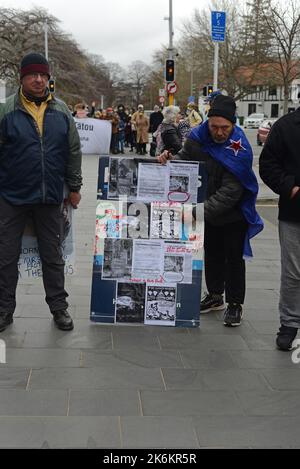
78	75
284	23
138	74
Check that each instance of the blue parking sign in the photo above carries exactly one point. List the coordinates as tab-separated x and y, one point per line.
218	25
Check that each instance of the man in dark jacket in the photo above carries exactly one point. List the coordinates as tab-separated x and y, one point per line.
229	211
39	155
280	170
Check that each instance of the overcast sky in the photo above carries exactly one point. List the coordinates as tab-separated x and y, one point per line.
119	30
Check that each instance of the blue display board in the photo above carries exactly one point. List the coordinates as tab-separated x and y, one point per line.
148	254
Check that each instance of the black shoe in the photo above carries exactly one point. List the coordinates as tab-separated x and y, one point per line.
5	320
63	320
285	337
211	302
233	315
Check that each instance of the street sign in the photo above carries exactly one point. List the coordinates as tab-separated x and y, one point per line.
171	87
161	99
218	25
162	92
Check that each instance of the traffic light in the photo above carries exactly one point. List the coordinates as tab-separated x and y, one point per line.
170	70
207	90
210	89
52	85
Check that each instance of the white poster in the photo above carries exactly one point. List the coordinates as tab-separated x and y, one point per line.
148	258
30	264
166	220
95	135
178	262
161	305
153	180
183	185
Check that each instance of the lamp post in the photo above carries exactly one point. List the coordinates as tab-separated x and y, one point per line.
46	38
170	48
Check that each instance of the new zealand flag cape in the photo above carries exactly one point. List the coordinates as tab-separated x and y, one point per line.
236	156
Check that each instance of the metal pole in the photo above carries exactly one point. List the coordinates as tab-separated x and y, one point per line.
46	38
216	64
171	33
192	69
102	101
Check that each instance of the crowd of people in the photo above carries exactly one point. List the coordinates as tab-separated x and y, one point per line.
131	127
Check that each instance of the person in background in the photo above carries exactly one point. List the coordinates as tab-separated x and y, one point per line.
156	119
168	135
141	123
121	136
40	154
279	168
184	127
193	116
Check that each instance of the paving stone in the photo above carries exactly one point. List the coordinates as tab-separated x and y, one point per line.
33	358
270	403
39	402
158	432
211	342
227	380
96	378
135	356
245	431
264	359
13	377
105	402
60	432
188	403
206	359
284	379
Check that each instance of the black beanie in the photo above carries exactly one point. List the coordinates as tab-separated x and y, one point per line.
34	63
223	106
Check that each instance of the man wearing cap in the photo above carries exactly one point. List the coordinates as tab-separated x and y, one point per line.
39	155
230	216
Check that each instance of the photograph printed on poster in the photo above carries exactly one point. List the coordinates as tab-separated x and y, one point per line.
117	259
123	174
130	302
161	305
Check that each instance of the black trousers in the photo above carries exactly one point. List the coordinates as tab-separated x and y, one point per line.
224	264
48	223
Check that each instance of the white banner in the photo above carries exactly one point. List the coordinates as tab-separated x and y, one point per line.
30	264
95	135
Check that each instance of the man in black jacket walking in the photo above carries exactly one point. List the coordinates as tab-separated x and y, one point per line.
280	170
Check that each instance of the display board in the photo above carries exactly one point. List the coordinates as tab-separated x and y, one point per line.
148	252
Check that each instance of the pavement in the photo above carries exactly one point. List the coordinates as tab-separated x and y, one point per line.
103	386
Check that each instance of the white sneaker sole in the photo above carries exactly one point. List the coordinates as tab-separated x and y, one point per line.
215	308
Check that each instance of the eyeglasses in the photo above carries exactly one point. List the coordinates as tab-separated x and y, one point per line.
44	76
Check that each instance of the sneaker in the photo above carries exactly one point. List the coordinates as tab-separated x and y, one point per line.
233	315
211	302
5	320
285	337
63	320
